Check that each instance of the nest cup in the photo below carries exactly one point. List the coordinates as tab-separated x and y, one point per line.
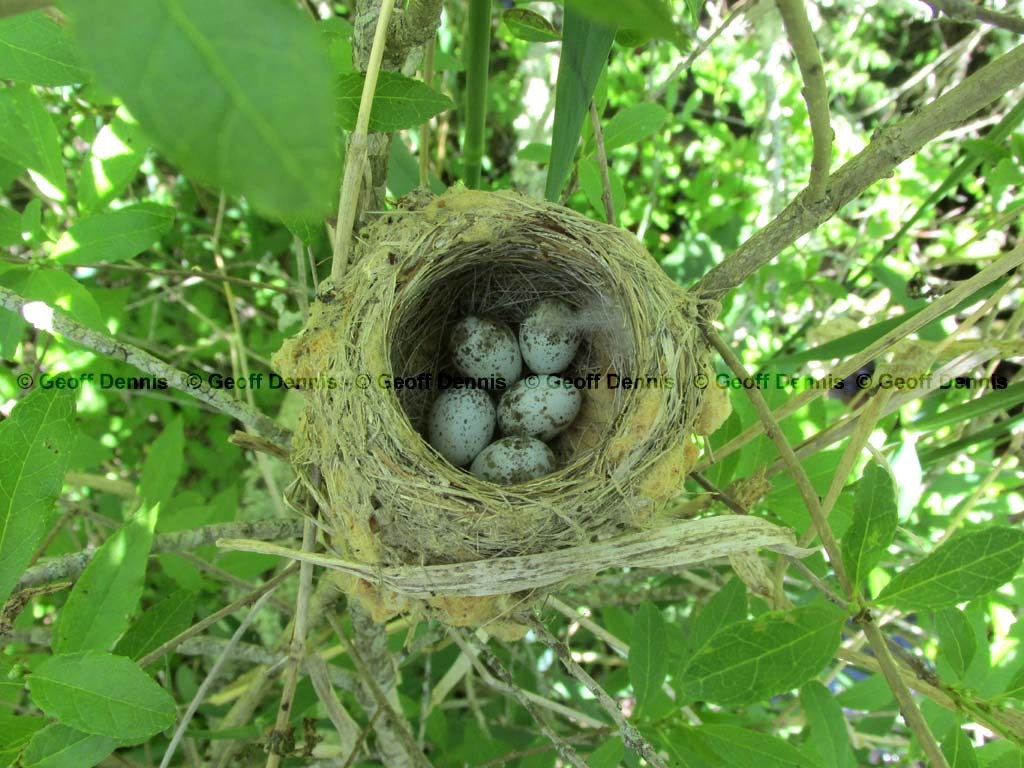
374	355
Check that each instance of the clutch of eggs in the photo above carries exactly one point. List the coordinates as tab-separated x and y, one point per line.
531	410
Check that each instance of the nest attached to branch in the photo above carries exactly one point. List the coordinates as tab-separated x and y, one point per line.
401	517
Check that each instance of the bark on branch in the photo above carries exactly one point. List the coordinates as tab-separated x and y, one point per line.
191	383
890	147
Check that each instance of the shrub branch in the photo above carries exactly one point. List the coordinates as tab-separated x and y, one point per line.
57	322
890	147
70	566
815	92
964	11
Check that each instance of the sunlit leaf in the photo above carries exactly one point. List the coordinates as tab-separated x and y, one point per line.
36	443
238	92
399	102
35	49
969	565
107	593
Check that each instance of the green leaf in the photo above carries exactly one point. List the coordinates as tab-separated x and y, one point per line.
986	150
652	17
36	443
593	187
10	227
32	221
1015	688
741	747
529	25
101	694
958	749
969	565
108	591
163	465
15	732
338	34
29	139
1012	757
874	523
774	653
585	47
35	49
59	289
994	402
399	102
114	235
829	735
630	125
404	173
957	642
112	162
237	92
694	7
648	660
727	606
872	694
168	618
535	152
608	755
631	38
58	746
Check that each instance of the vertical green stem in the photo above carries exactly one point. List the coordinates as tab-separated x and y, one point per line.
476	57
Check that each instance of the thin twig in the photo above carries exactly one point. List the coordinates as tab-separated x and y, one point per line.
51	320
490	666
935	309
658	93
774	432
428	79
257	681
70	566
199	627
891	146
719	494
121	488
965	11
297	649
808	57
592	626
211	677
602	163
356	157
395	736
630	735
344	724
911	714
821	586
189	274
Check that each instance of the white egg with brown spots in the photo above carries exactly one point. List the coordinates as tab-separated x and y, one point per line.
539	406
512	460
549	337
461	424
483	348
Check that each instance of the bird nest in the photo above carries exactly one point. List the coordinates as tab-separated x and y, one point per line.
412	532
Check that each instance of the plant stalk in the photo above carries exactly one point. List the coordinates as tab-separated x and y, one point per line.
476	55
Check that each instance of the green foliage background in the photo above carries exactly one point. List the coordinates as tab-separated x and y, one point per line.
164	179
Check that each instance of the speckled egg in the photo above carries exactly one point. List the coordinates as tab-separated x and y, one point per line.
539	406
513	460
549	337
483	348
461	424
